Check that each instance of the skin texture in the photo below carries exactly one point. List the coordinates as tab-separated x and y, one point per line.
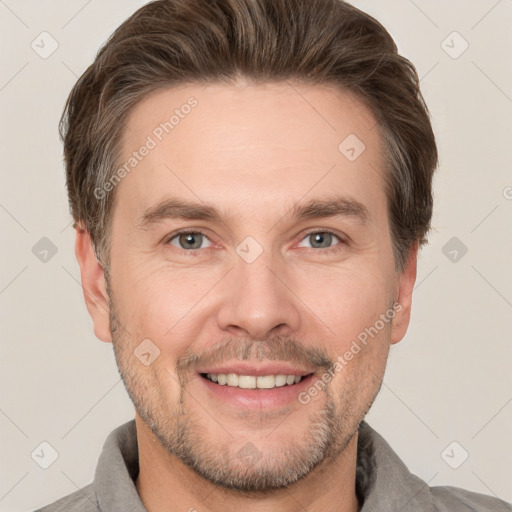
252	152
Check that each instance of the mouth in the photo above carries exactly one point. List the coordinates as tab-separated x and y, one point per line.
256	382
248	386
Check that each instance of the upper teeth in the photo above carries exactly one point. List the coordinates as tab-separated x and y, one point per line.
253	382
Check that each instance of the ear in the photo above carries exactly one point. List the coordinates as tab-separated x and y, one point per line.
403	295
93	285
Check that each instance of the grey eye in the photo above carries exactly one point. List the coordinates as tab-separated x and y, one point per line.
320	239
188	240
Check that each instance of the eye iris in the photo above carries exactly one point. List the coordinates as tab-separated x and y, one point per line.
187	240
324	239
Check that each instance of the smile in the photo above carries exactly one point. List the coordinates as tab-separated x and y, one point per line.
252	381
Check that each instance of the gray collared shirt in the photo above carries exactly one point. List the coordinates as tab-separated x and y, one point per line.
384	484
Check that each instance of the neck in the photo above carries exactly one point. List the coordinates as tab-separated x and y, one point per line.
166	484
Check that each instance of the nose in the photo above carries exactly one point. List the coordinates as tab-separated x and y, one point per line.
258	300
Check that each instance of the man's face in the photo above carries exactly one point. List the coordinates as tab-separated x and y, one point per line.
264	288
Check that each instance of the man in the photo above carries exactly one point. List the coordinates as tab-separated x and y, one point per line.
250	182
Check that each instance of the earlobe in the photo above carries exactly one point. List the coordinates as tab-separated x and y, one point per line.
404	296
93	284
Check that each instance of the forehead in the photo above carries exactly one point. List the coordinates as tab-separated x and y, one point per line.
247	146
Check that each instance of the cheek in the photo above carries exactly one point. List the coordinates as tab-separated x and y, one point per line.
347	301
162	304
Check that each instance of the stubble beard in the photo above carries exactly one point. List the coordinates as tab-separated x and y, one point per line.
328	432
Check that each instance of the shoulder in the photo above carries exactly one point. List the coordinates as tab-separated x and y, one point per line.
83	500
386	484
449	499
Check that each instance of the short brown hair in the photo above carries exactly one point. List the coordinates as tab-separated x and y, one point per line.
173	42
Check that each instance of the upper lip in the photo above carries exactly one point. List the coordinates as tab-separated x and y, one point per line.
248	368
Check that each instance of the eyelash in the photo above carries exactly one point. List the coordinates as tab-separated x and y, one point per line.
193	252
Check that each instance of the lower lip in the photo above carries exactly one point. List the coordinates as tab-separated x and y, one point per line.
258	398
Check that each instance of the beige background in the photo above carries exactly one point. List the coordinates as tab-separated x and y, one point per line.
448	380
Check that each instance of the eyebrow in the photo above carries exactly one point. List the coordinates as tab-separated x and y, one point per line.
173	208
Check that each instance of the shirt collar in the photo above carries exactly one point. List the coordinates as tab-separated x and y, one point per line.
117	470
384	480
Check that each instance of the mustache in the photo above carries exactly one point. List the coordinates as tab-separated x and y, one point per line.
276	348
